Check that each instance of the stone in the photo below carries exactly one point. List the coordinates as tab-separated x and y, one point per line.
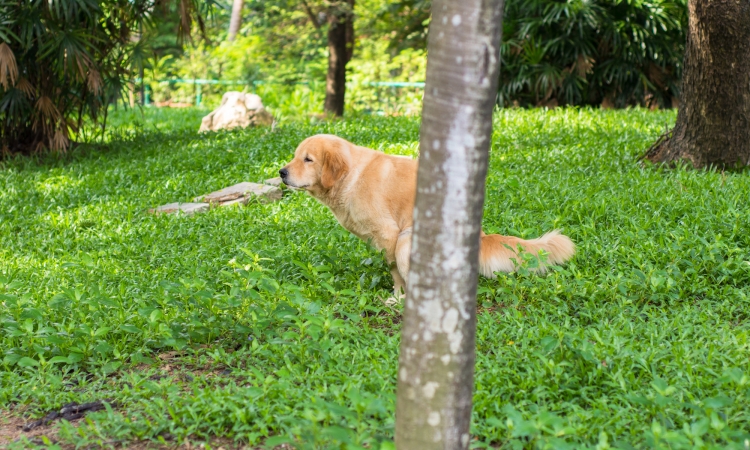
237	201
187	208
237	109
241	193
274	181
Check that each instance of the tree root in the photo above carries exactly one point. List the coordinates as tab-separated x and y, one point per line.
656	146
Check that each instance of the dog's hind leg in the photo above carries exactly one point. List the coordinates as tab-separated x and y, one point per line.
399	284
403	253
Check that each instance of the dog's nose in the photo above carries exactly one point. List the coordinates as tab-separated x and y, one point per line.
283	173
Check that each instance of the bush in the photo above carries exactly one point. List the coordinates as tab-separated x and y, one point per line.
615	53
62	62
577	52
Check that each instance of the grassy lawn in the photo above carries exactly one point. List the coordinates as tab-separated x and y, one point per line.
264	323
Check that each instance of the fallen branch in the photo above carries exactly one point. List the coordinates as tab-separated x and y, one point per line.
70	411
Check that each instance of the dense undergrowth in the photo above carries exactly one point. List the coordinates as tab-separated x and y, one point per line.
266	321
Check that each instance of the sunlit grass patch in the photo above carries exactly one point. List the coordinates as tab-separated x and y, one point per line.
268	321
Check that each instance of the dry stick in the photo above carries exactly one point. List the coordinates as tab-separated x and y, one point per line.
70	411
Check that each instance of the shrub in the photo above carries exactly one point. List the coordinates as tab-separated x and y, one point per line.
611	52
62	62
573	52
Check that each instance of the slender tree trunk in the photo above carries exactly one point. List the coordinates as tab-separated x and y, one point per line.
340	45
436	362
236	20
143	86
713	122
350	31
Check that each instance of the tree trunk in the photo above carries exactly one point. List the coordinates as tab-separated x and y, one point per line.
350	32
713	122
236	19
340	33
436	362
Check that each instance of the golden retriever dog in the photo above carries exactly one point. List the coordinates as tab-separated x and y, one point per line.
372	195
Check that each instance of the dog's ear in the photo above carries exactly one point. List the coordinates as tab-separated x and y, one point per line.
334	167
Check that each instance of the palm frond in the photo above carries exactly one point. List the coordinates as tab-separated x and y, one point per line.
8	67
25	86
63	61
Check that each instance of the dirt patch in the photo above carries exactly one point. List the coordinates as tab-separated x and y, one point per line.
15	426
214	443
12	428
13	422
12	425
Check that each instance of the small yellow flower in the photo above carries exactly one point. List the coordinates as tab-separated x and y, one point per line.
511	342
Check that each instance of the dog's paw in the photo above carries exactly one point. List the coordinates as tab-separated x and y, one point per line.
392	301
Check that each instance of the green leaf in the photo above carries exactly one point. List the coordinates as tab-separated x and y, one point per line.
338	433
111	366
11	359
549	343
74	357
155	315
32	313
101	331
59	359
27	362
130	328
277	440
717	402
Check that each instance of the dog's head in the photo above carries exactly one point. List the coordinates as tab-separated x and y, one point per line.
319	162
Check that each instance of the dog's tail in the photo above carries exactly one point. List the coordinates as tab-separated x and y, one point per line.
500	253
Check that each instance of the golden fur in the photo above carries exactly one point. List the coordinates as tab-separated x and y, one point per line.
372	195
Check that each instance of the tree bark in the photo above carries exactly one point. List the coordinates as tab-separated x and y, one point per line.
340	46
350	32
236	20
436	362
713	122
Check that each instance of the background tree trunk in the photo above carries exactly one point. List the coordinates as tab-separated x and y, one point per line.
713	122
436	362
350	31
236	20
340	48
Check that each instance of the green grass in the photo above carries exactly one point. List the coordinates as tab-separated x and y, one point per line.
267	319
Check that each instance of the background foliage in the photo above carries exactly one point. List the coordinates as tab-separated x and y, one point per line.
614	53
279	47
59	65
62	63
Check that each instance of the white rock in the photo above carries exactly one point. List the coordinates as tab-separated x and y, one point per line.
241	193
187	208
237	109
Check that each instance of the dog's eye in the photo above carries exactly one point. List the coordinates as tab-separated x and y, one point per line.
307	159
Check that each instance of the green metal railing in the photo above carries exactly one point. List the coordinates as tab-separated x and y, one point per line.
197	82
